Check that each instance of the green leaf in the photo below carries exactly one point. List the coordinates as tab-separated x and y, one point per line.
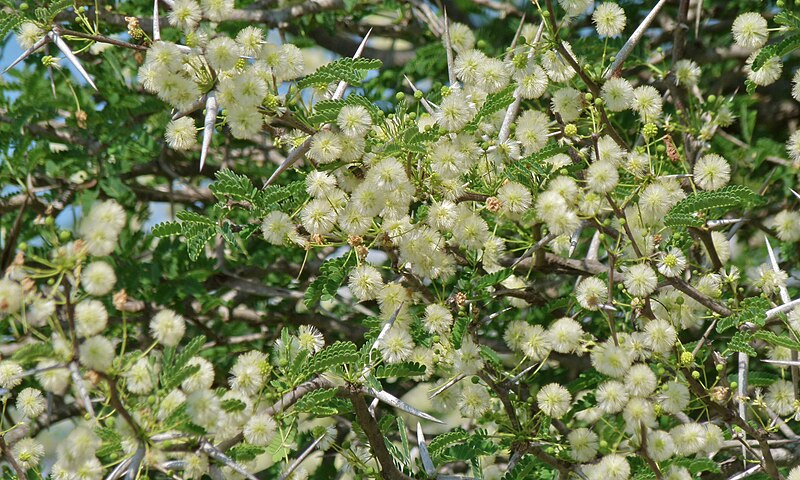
233	405
445	440
335	355
683	214
245	452
398	370
777	340
32	352
459	329
492	279
696	465
756	379
351	70
753	310
786	46
740	342
495	102
167	229
331	276
234	186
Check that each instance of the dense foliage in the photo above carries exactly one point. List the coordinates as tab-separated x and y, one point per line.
381	239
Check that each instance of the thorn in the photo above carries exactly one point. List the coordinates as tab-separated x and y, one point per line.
119	470
62	45
573	242
451	69
136	462
216	454
208	126
156	24
390	399
723	222
795	194
790	363
372	406
447	385
342	86
785	298
424	455
425	104
301	458
195	106
293	156
387	326
772	313
36	46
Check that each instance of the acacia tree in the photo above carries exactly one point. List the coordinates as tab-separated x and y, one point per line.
545	240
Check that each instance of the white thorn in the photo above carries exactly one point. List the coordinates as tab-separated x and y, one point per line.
293	156
790	363
425	104
208	127
62	45
451	71
795	193
424	455
785	298
390	399
156	24
300	458
342	86
193	108
772	313
447	385
36	46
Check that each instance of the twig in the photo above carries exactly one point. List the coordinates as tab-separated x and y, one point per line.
616	67
21	475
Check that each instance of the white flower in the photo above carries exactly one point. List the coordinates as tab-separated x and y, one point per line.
97	353
636	413
260	429
591	293
27	452
609	19
793	146
611	360
660	445
535	343
245	121
493	75
780	397
51	377
247	374
139	379
185	14
222	53
584	444
686	72
250	39
396	346
769	72
466	65
277	227
574	7
169	403
310	338
354	120
750	31
611	467
640	380
515	198
11	296
554	400
217	10
365	282
647	103
602	177
474	401
565	335
437	319
534	83
689	438
617	93
640	280
796	85
456	111
318	216
794	474
568	103
28	34
787	225
200	380
461	37
91	318
98	278
31	403
167	327
611	396
672	263
660	335
675	397
712	172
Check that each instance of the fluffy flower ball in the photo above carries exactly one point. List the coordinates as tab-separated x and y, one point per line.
609	19
750	31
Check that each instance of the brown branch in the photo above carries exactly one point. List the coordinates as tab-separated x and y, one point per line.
21	475
375	437
98	38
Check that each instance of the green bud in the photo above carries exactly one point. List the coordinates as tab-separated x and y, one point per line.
679	300
734	385
22	246
570	130
603	443
412	115
711	98
650	130
622	221
23	6
435	338
719	367
49	221
563	171
588	96
64	235
598	102
418	94
687	358
445	91
695	374
481	44
661	148
400	96
475	380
